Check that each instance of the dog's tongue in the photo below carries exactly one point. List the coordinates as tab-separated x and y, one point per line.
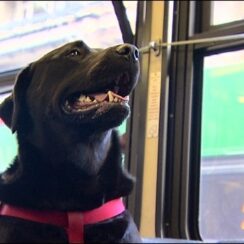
100	97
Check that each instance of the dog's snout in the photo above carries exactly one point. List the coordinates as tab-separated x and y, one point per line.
128	51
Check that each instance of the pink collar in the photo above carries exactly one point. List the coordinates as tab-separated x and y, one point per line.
72	222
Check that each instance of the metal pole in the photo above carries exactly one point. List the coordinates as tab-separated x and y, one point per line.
153	44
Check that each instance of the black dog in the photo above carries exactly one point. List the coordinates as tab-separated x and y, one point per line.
64	108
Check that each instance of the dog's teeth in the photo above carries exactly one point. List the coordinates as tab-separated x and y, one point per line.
110	96
95	101
88	99
82	98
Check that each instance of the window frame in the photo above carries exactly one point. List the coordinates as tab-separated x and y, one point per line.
203	28
136	124
163	123
178	131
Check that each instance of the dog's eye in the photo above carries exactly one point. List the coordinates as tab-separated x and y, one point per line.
74	53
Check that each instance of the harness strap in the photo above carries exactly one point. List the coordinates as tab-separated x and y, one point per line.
72	222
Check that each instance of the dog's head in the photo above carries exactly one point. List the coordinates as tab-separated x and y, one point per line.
74	86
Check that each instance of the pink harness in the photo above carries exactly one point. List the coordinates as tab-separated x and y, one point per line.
72	222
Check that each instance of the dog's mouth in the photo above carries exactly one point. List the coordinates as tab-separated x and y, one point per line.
111	97
78	103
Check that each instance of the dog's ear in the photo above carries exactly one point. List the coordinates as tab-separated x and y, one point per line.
10	108
6	109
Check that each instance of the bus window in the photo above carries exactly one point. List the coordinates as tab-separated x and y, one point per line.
235	11
222	148
31	28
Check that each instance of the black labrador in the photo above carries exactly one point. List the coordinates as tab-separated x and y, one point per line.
64	108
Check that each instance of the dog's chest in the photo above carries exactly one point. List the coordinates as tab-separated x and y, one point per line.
15	230
108	222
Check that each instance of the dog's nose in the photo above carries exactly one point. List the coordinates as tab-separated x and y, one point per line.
128	51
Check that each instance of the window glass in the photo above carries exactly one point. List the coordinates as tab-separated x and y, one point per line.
8	145
222	148
28	29
226	11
